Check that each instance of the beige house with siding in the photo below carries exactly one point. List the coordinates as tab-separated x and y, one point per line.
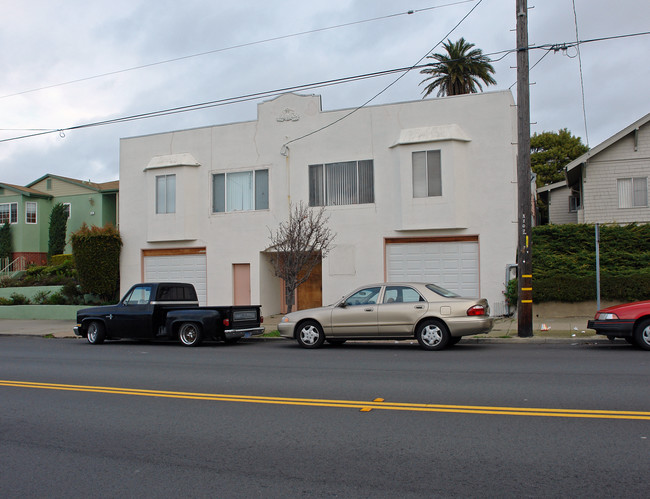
607	184
421	191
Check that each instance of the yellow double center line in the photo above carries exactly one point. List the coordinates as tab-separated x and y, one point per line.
364	406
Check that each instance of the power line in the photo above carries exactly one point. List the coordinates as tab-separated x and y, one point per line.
270	93
388	86
233	47
582	83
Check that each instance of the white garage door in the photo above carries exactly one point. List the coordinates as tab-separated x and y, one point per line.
452	265
178	268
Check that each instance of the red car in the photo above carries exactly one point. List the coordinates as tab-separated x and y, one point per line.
630	321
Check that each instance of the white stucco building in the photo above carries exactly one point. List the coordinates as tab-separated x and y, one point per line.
422	190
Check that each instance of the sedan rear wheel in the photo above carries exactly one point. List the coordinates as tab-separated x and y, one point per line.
642	334
432	335
310	335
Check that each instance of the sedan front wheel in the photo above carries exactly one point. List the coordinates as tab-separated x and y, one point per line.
310	335
642	334
432	335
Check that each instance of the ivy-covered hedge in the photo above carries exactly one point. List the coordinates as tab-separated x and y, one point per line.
564	263
97	258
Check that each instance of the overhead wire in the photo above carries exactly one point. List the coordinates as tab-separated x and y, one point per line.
388	86
582	83
258	95
238	46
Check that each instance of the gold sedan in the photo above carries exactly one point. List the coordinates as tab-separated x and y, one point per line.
433	315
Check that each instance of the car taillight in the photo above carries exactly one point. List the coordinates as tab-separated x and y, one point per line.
261	319
476	310
226	322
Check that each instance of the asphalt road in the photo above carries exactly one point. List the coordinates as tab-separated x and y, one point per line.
268	419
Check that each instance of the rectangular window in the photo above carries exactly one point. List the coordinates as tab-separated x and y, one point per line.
240	191
8	213
427	174
349	182
30	212
67	209
166	194
632	192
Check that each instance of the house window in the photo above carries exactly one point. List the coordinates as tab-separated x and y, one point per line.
67	209
350	182
632	192
166	194
8	213
30	212
427	174
240	191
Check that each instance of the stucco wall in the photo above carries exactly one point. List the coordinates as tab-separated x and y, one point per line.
479	197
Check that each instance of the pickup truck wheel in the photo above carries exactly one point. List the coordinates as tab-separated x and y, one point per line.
432	335
190	334
642	334
96	333
310	335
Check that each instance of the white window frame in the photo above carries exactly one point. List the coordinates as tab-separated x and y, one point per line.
426	168
165	194
342	183
29	212
11	213
251	196
632	192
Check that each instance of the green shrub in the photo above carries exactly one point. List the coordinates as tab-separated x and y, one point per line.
18	299
564	263
97	257
57	299
60	259
41	298
5	301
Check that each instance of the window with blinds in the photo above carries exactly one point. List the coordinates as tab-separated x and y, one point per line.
334	184
240	191
632	192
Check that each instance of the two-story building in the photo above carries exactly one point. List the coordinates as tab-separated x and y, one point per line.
417	191
28	210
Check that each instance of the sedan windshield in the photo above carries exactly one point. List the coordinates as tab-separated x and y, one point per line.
442	291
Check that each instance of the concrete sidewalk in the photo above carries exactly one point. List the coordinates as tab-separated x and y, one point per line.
556	329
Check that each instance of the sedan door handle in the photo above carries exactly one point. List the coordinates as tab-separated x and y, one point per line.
368	309
419	307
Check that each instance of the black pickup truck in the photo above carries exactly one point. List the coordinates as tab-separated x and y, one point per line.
167	311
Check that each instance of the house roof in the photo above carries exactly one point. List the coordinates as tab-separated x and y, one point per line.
99	187
25	191
552	187
579	161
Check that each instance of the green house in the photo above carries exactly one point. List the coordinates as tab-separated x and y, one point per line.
28	210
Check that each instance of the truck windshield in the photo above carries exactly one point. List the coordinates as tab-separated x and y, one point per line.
138	296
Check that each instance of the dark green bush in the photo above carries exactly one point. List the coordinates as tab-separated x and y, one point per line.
18	299
97	257
564	263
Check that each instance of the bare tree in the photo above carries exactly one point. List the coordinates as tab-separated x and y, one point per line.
298	245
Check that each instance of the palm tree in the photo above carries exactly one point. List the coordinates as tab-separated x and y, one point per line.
458	71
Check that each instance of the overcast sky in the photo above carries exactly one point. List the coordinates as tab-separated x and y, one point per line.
54	53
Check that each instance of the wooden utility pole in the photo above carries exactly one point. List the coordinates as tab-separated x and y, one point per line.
524	177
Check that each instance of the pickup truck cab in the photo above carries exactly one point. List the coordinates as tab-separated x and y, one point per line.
167	311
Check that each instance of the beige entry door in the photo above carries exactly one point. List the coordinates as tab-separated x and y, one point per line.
242	283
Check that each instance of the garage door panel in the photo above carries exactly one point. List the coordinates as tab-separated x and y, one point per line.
452	265
178	268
